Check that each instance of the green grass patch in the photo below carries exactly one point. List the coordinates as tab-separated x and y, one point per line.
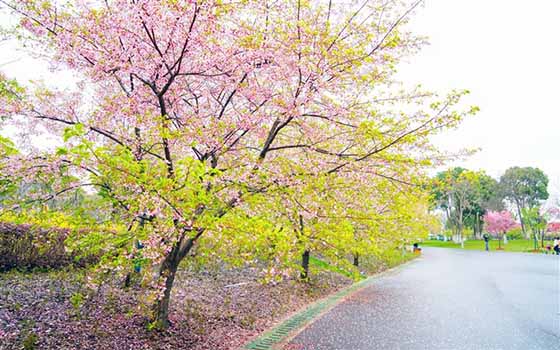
518	245
323	265
396	257
369	264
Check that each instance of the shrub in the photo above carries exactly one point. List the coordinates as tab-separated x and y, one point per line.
515	233
27	247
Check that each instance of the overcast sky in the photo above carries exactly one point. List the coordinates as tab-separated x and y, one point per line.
506	52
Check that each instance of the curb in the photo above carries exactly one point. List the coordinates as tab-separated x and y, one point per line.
289	326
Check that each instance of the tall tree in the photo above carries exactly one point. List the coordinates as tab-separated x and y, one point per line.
485	197
185	110
525	188
461	193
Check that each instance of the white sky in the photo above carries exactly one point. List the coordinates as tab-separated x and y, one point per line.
506	52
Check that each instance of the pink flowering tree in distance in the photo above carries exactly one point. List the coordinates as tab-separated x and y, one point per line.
553	225
553	228
498	223
185	113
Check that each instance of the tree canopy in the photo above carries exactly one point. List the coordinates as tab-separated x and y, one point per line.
465	196
525	188
211	124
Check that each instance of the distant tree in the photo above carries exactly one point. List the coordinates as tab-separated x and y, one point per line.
485	196
553	227
536	221
553	216
457	191
525	188
498	223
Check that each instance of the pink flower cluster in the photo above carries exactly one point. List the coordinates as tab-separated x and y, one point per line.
499	222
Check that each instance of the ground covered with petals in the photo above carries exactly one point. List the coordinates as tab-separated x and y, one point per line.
218	309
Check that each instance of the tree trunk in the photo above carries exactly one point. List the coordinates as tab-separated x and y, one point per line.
356	259
305	256
305	265
456	238
161	308
460	229
475	226
479	226
127	281
523	228
536	240
168	271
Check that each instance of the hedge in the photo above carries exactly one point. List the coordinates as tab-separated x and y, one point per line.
27	247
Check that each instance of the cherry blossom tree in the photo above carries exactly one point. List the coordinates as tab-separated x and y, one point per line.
553	227
499	222
185	111
537	219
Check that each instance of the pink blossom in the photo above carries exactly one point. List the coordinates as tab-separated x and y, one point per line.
499	222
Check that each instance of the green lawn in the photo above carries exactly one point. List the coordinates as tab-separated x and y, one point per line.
389	259
322	264
518	245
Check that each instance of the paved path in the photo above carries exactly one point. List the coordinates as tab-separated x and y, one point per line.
451	300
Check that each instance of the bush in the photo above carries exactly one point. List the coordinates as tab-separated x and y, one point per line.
515	233
27	247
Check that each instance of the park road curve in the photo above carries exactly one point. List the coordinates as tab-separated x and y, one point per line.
449	299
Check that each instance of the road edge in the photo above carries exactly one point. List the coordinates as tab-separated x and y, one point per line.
294	324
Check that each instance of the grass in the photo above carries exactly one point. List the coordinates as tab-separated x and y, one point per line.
397	257
518	245
328	267
389	259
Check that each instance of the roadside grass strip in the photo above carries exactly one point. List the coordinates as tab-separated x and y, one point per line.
280	333
514	245
321	264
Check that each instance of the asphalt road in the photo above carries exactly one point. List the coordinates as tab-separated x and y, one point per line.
449	299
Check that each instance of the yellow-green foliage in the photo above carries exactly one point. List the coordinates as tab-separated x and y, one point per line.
328	216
